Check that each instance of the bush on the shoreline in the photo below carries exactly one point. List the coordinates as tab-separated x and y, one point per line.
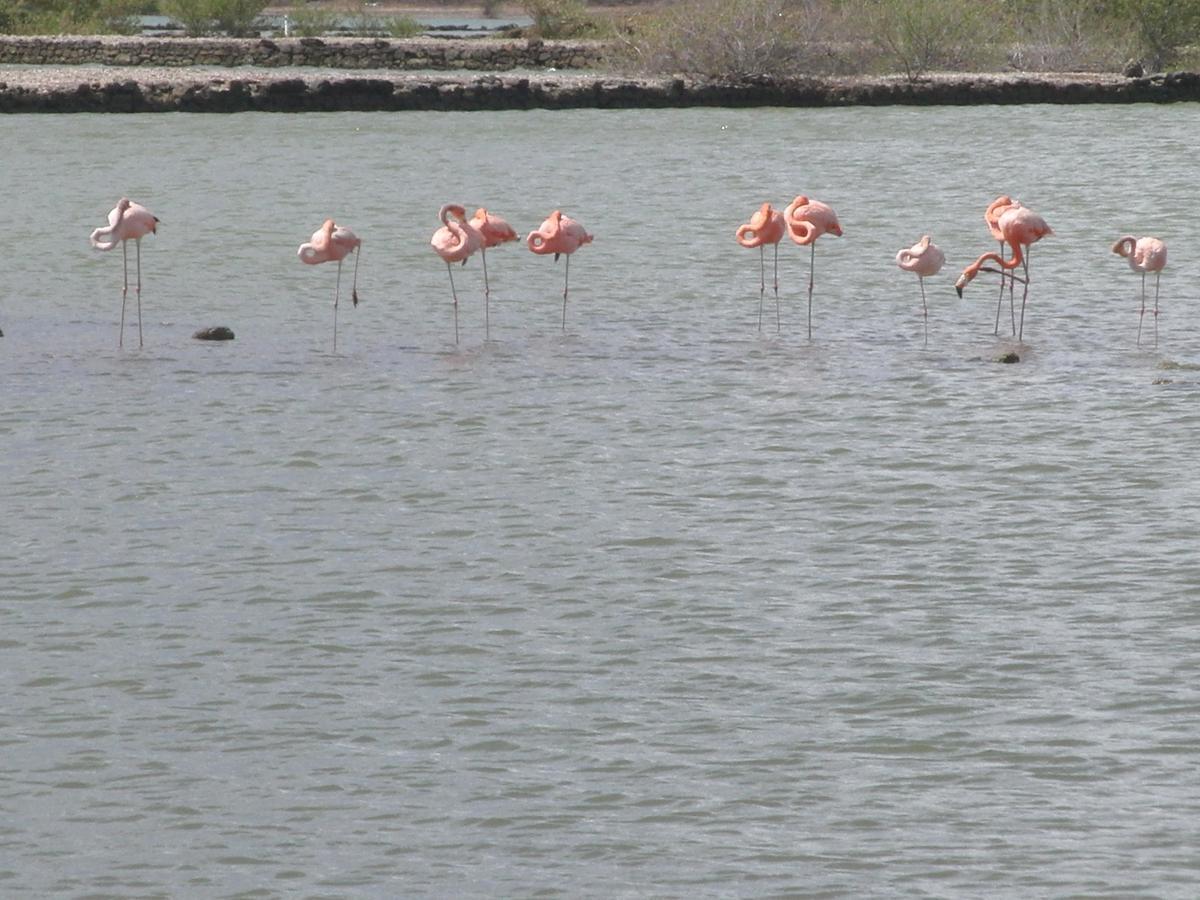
68	16
791	37
235	18
563	19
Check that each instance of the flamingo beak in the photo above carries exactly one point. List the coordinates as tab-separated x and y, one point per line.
958	287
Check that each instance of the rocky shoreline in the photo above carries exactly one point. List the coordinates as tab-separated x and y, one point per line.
140	86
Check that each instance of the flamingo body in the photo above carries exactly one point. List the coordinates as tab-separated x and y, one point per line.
493	230
456	240
808	219
1146	254
765	227
923	258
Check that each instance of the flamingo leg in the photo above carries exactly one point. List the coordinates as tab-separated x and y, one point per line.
354	286
453	294
1142	312
1000	299
337	290
138	254
762	282
1157	275
812	262
924	308
487	293
1024	295
566	285
124	291
778	315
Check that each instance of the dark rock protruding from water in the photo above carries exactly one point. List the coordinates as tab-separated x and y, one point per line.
1008	358
216	333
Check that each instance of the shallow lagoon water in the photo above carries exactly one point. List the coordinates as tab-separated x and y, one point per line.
655	606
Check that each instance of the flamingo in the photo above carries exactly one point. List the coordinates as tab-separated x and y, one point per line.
991	217
560	235
765	227
128	221
494	231
806	221
925	258
1147	254
1021	228
333	242
454	242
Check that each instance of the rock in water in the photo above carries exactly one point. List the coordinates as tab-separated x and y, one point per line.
216	333
1008	358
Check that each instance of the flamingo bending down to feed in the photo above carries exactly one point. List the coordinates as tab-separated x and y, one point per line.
925	258
1021	228
807	220
991	217
333	242
493	232
454	242
765	227
1147	254
128	221
560	235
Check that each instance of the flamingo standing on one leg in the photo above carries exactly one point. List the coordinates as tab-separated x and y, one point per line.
991	217
1147	254
559	234
494	231
1022	228
333	242
925	258
454	242
765	227
806	221
128	221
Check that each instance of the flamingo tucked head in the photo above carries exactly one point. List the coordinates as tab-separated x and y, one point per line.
456	239
765	227
493	229
1147	254
997	208
557	234
925	258
807	220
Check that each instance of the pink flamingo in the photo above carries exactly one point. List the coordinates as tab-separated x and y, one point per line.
991	217
765	227
332	242
925	258
806	221
128	221
1021	228
454	242
1147	254
494	231
559	234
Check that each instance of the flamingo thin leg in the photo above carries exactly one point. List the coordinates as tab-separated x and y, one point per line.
138	247
337	290
124	290
812	262
566	285
454	295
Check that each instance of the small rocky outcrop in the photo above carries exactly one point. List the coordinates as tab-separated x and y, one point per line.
215	333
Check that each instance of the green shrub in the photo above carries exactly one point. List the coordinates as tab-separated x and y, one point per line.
749	38
918	36
403	27
312	21
69	16
1162	29
562	19
235	18
1064	35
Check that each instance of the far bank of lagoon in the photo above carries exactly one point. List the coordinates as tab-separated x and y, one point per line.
118	74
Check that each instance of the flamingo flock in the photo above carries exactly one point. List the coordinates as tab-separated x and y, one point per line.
1015	227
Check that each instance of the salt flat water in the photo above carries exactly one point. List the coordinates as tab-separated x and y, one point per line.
655	606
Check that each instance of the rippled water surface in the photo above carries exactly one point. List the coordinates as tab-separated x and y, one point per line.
658	606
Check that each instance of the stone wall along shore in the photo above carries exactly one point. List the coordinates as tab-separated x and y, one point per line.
337	53
94	89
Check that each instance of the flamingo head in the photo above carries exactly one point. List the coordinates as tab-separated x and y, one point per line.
966	278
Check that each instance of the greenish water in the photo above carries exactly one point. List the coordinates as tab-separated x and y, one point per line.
658	606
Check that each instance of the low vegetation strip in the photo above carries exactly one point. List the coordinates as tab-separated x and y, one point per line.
47	89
